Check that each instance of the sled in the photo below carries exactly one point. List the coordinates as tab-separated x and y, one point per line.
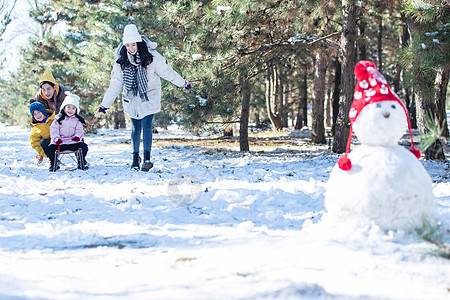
76	156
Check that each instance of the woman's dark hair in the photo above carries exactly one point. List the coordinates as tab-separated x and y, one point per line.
62	115
145	56
48	82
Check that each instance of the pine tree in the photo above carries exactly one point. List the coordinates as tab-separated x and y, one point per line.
427	58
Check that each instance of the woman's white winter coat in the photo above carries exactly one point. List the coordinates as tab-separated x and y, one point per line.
133	105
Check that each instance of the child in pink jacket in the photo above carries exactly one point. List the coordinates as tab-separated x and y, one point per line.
66	131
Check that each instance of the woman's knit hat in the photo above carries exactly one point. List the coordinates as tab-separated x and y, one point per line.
131	34
371	87
71	99
37	106
47	77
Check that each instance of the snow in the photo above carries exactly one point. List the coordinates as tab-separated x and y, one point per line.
253	231
197	56
130	5
223	9
419	4
202	101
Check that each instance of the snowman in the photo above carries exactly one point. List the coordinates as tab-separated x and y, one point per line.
380	182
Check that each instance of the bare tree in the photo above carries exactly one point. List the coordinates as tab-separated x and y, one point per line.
6	9
274	95
318	128
342	126
336	92
302	114
243	130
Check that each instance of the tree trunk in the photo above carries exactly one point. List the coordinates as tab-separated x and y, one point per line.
302	114
328	106
279	99
427	108
285	112
119	119
336	93
396	78
228	128
409	101
380	46
317	116
412	108
342	127
362	49
274	94
441	83
257	119
228	131
243	129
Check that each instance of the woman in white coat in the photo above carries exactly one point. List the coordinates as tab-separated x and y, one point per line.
137	72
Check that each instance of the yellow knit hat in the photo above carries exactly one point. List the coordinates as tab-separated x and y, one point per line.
47	77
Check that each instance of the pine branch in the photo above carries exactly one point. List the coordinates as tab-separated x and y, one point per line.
285	43
433	235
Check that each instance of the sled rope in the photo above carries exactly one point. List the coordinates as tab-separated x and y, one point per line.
97	111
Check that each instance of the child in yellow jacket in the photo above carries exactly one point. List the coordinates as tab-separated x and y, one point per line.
40	134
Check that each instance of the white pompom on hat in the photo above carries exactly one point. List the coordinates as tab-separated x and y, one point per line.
71	99
371	87
131	34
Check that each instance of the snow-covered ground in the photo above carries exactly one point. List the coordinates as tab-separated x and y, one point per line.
202	224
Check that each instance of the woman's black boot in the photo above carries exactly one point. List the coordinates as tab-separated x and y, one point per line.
147	165
136	161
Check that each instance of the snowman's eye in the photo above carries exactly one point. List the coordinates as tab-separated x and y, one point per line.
378	105
393	106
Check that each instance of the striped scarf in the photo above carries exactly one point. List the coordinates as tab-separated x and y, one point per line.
135	78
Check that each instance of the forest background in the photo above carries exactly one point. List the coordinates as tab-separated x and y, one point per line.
267	64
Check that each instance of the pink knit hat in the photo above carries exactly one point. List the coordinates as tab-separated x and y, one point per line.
371	87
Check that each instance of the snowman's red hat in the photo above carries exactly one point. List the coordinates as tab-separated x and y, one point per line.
371	87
